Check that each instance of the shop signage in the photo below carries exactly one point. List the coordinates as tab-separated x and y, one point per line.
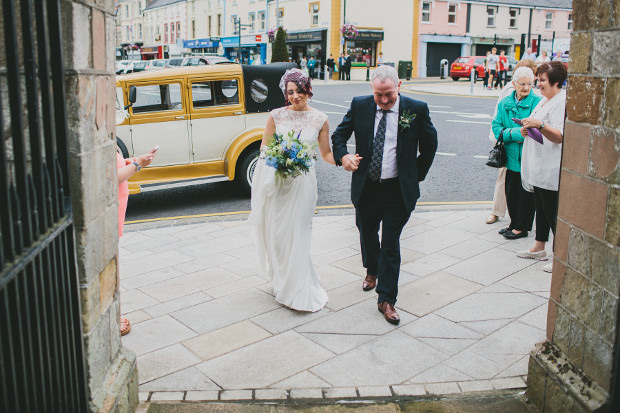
305	36
149	50
372	36
215	39
258	38
198	43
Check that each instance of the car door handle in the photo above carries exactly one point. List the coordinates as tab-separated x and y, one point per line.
180	117
237	113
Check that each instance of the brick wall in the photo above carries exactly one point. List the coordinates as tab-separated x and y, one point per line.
89	37
586	273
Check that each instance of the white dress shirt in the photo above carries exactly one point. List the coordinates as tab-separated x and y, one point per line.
389	168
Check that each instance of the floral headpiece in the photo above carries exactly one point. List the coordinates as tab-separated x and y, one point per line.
299	78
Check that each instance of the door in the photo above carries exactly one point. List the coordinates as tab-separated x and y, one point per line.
435	52
217	116
160	117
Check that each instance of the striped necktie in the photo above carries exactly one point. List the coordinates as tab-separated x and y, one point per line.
374	170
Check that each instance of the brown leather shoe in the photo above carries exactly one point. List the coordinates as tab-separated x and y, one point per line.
389	312
369	283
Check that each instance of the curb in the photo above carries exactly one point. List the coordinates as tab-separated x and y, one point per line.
164	222
339	394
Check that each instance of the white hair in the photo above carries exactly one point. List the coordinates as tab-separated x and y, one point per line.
383	73
522	72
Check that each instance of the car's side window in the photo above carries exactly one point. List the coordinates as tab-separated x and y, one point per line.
157	98
226	92
479	61
201	94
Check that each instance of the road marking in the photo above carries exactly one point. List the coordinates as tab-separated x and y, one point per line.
220	214
464	114
334	113
447	94
445	154
329	103
468	121
439	106
480	156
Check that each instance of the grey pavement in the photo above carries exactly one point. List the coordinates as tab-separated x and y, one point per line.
207	327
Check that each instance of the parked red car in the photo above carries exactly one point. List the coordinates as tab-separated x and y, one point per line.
463	65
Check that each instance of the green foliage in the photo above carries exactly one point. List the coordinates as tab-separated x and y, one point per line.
279	51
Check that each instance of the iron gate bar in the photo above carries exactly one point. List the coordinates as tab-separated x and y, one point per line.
17	131
6	218
34	127
51	185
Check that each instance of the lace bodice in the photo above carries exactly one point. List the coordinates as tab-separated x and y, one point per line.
308	122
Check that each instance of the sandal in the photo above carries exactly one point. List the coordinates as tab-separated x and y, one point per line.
125	327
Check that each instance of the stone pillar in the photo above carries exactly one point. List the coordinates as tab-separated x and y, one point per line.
572	371
88	50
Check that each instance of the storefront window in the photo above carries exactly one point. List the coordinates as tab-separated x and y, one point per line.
362	52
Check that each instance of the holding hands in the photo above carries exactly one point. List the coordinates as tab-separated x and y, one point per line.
351	162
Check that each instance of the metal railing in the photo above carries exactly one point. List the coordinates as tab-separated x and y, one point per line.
41	356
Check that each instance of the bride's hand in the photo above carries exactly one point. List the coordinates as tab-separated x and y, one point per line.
351	162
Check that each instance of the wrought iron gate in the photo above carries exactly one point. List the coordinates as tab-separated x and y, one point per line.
41	358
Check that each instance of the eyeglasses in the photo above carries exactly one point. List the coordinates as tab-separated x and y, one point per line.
525	84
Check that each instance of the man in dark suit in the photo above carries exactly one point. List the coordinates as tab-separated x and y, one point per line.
389	129
347	65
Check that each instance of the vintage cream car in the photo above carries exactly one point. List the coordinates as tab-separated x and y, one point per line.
207	120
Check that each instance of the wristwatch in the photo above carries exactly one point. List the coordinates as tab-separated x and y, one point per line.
542	125
138	167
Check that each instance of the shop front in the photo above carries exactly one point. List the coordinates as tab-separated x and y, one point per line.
152	52
208	45
253	50
364	50
308	43
435	48
481	45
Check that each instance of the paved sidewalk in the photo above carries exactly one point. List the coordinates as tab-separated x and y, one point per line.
206	325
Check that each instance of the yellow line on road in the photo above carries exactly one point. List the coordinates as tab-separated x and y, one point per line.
223	214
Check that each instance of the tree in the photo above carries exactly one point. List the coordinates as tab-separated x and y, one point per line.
279	51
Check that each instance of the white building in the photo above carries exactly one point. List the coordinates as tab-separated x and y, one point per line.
166	24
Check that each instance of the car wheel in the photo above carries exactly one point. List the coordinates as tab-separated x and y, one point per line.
122	148
245	169
456	79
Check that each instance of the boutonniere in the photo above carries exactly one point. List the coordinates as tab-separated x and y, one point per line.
405	119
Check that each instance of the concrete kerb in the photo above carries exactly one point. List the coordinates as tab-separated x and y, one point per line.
351	402
165	222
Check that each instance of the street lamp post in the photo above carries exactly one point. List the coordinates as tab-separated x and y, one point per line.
239	27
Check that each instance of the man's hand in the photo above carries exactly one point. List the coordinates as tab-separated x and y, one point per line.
351	162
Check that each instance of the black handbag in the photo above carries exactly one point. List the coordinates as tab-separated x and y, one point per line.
497	155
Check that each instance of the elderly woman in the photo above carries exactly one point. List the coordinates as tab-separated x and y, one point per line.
518	104
499	194
541	163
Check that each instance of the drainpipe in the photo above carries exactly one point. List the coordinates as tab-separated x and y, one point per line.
529	29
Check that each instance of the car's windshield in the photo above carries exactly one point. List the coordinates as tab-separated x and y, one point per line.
462	60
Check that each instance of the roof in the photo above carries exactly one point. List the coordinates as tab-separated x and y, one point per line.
538	4
153	4
171	73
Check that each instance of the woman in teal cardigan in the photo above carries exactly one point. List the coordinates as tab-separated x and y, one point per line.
518	105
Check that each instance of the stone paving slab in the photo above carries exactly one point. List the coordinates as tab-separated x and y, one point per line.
206	325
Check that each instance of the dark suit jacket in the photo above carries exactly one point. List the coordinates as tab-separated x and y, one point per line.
347	63
412	167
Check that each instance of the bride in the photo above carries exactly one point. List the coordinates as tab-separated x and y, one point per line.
282	209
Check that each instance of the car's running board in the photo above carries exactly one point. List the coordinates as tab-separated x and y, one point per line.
180	184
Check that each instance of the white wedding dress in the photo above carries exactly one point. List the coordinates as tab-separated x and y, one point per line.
282	212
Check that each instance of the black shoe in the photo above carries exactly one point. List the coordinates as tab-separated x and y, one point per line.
504	230
512	235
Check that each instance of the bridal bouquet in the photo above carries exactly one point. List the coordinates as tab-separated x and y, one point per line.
288	155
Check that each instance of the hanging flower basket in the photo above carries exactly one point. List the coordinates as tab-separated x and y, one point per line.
272	32
349	31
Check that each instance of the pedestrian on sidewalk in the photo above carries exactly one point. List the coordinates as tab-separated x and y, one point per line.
330	66
311	65
499	195
347	64
541	163
485	84
126	168
502	68
342	61
492	62
519	105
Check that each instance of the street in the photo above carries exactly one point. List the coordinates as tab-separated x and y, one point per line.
458	173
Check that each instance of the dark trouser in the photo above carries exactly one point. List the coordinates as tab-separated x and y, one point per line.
382	203
348	73
546	212
520	203
486	78
311	72
341	73
501	78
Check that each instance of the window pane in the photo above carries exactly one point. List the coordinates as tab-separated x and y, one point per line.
201	94
426	6
148	99
226	92
258	90
175	96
